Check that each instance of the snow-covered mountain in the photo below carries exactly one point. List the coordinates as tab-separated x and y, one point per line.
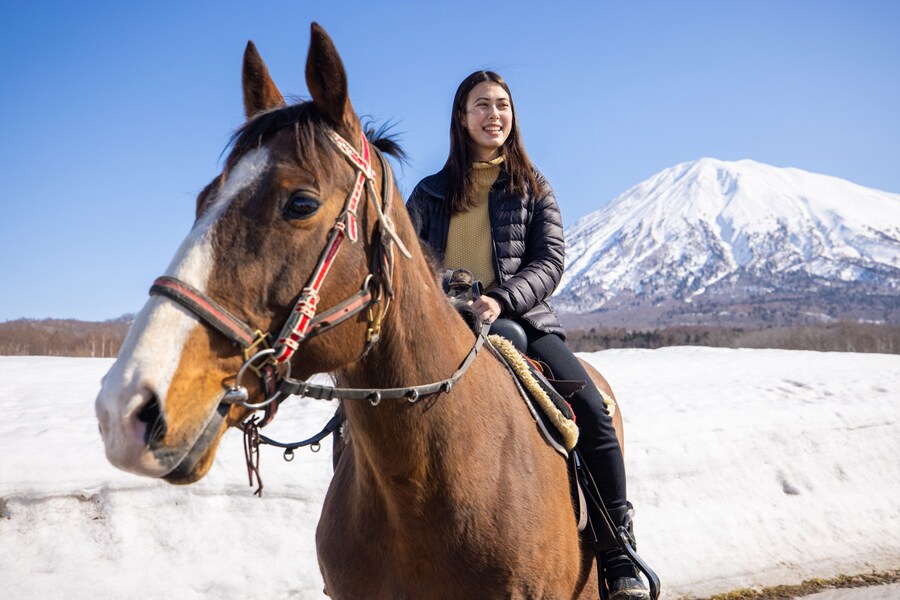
743	240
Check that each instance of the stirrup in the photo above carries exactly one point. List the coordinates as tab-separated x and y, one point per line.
612	532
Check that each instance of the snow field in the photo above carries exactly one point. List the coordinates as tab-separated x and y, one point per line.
747	467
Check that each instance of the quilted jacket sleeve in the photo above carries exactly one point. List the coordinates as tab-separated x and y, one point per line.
543	260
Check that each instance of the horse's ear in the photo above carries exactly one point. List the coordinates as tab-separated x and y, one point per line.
260	93
327	80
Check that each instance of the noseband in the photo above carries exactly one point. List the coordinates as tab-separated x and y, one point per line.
304	322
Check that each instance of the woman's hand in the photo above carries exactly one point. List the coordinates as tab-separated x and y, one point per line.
487	307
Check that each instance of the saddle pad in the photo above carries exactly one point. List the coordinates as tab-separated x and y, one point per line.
539	390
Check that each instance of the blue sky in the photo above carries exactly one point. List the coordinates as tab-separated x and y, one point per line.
114	115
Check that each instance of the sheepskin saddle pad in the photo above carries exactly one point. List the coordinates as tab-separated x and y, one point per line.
552	413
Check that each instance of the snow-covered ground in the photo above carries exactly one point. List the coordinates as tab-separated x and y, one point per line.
747	467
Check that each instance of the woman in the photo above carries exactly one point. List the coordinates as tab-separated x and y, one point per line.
491	212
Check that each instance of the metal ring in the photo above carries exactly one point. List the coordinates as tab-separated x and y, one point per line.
374	398
412	395
247	363
367	281
243	369
262	404
315	447
447	386
289	454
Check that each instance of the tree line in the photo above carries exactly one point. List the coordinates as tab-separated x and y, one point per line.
68	337
840	336
63	337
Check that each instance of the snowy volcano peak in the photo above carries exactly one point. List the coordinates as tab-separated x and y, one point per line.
740	227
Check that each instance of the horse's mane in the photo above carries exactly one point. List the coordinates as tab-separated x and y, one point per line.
309	134
385	140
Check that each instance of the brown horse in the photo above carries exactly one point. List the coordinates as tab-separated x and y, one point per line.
455	495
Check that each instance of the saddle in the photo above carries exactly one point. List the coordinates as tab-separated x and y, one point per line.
461	287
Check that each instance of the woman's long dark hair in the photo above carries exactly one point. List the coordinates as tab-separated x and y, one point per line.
521	173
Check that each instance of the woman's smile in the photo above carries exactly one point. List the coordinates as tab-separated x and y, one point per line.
488	119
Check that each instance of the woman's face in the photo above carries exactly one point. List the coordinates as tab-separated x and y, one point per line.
488	118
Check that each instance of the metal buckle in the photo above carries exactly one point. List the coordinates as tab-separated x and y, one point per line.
251	351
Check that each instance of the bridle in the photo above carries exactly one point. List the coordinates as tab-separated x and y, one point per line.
304	322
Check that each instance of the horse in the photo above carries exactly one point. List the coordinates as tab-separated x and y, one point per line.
447	491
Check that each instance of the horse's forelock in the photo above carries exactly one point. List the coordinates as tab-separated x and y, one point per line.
309	137
309	134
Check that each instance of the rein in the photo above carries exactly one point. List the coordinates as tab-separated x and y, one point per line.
411	394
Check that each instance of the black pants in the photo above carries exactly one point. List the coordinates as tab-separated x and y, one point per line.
597	440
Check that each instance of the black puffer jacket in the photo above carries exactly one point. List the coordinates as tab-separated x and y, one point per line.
529	248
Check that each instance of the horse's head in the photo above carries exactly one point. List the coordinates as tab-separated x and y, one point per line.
261	232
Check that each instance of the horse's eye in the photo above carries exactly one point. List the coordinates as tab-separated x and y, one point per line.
301	207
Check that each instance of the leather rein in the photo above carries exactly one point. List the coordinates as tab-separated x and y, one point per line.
304	322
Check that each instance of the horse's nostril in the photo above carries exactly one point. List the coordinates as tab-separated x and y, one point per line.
156	424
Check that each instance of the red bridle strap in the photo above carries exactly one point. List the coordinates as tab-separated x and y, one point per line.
297	327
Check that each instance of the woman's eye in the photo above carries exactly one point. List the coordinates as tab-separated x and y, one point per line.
301	207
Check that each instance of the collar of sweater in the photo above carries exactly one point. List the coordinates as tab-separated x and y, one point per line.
485	173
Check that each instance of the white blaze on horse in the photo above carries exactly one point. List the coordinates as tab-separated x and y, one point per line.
445	491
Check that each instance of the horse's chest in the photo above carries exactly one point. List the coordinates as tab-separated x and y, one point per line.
431	561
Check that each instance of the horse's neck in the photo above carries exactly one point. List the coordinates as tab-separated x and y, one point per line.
422	341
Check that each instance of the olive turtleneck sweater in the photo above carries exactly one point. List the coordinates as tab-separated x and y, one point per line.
469	238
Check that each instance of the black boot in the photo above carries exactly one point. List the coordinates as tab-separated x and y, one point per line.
620	574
